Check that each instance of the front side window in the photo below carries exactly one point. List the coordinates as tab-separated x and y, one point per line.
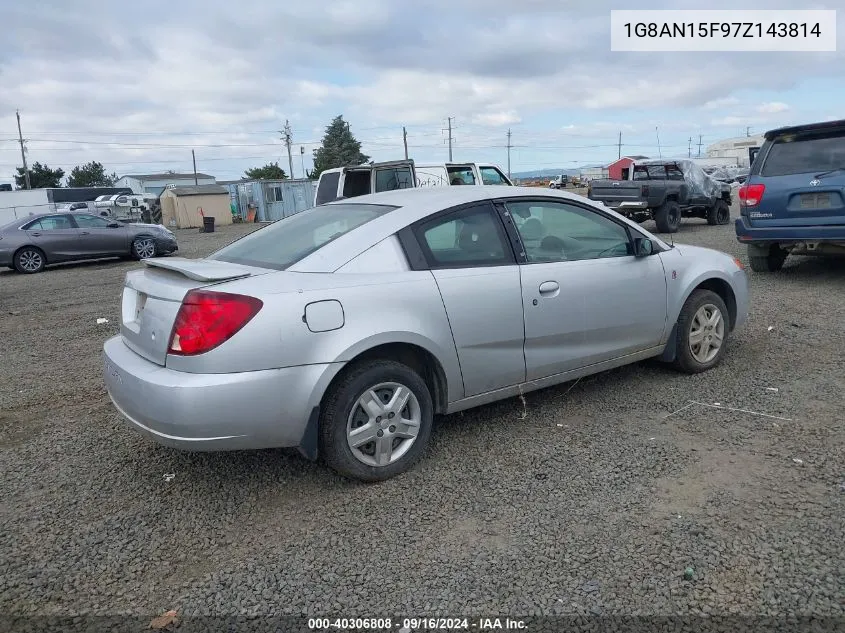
471	237
492	176
555	232
91	222
287	241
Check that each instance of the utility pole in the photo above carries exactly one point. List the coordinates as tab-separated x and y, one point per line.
659	151
23	151
509	152
620	145
689	148
450	137
699	145
194	157
302	157
286	136
748	131
405	141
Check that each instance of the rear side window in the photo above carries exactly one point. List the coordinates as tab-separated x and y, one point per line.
50	223
461	176
471	237
327	189
287	241
391	178
805	154
492	176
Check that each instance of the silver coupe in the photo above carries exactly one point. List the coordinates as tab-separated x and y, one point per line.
343	330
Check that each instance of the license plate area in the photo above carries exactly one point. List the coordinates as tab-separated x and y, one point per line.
815	201
132	308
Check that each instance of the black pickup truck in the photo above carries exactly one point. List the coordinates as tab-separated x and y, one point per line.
666	191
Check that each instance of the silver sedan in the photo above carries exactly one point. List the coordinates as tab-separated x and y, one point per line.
31	243
344	329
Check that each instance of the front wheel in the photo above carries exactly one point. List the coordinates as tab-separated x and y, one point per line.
376	421
668	217
143	248
703	327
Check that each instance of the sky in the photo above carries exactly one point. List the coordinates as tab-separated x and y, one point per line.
137	86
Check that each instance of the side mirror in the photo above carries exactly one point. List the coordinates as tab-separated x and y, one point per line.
643	247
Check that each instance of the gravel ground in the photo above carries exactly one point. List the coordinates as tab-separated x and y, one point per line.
583	499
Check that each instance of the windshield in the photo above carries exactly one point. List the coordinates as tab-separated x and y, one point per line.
287	241
803	155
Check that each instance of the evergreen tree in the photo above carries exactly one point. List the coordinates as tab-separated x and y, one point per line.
339	148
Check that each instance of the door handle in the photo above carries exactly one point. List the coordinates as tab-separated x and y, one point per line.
84	233
548	287
36	234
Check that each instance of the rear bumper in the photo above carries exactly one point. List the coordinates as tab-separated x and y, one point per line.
210	412
746	233
625	205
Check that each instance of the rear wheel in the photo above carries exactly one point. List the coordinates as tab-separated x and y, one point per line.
703	327
29	260
719	213
143	247
376	421
766	262
668	217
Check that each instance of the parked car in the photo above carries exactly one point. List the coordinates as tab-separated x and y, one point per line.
666	191
559	182
31	243
360	180
794	198
342	330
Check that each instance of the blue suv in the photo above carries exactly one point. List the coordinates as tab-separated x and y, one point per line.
794	198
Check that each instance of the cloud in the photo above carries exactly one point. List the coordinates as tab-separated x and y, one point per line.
772	107
222	79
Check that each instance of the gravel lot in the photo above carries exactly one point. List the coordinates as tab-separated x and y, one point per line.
584	499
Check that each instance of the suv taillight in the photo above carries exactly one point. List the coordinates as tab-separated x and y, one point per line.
750	195
208	319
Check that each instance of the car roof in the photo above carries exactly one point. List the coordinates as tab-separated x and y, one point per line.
822	126
413	205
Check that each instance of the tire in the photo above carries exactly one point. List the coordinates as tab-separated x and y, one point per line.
769	263
719	213
691	356
668	217
343	413
141	248
30	260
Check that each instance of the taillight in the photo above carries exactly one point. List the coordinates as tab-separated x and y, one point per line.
750	195
208	319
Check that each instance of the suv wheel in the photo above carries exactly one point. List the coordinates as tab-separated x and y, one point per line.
767	262
376	421
668	217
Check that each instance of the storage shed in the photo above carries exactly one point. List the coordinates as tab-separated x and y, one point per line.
185	207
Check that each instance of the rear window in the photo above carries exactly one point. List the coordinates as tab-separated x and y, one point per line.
805	154
287	241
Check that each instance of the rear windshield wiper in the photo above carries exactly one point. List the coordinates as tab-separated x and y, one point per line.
829	171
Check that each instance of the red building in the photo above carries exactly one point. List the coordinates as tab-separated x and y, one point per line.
614	170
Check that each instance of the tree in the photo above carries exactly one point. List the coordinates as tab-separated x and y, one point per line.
270	171
40	176
90	175
339	148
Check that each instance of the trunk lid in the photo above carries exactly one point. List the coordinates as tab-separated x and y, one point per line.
805	199
153	295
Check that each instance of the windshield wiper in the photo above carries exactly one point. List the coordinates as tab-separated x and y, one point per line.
829	171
